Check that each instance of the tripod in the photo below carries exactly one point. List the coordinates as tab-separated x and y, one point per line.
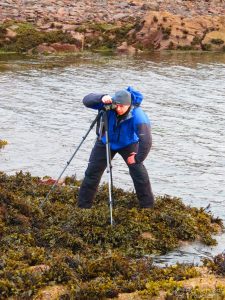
101	116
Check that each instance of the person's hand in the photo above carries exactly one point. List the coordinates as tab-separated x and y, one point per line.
131	158
106	99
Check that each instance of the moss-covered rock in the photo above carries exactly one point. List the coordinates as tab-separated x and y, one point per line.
28	37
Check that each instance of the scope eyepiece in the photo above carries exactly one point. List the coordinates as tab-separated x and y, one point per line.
111	106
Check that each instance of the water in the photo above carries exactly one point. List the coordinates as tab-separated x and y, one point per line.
43	119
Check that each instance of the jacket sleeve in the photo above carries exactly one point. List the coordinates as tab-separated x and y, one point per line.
145	142
93	101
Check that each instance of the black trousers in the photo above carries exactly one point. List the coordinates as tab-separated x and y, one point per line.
97	165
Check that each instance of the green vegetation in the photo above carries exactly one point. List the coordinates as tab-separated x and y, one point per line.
166	31
206	47
80	250
106	36
185	48
97	36
185	31
216	264
20	37
155	19
196	40
171	46
217	41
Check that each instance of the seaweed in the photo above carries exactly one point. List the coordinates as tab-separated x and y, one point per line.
60	244
217	41
3	143
216	264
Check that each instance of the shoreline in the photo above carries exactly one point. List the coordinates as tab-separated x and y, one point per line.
128	27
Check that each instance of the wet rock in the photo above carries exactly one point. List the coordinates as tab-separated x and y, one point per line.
59	47
43	48
52	293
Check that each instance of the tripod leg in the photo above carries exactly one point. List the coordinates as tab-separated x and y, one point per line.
109	166
75	152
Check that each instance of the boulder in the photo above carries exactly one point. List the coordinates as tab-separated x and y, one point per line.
10	33
125	48
216	40
79	37
43	48
59	47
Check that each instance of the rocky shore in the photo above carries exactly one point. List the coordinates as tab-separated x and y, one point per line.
68	11
128	26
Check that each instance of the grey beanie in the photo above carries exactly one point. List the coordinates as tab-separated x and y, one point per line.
122	97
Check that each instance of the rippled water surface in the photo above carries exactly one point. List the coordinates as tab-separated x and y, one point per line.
43	119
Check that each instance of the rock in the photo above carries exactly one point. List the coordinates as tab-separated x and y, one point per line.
10	33
79	37
43	48
59	47
147	235
129	296
163	30
120	16
198	16
124	48
39	269
216	39
61	12
68	27
51	293
56	47
57	25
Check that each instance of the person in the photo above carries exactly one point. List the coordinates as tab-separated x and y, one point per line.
129	135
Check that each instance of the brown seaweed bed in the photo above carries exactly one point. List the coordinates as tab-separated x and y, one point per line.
3	143
78	251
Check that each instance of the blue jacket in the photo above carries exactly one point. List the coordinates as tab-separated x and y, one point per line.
133	128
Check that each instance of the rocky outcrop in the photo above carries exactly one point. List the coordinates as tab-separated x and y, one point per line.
128	26
162	30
